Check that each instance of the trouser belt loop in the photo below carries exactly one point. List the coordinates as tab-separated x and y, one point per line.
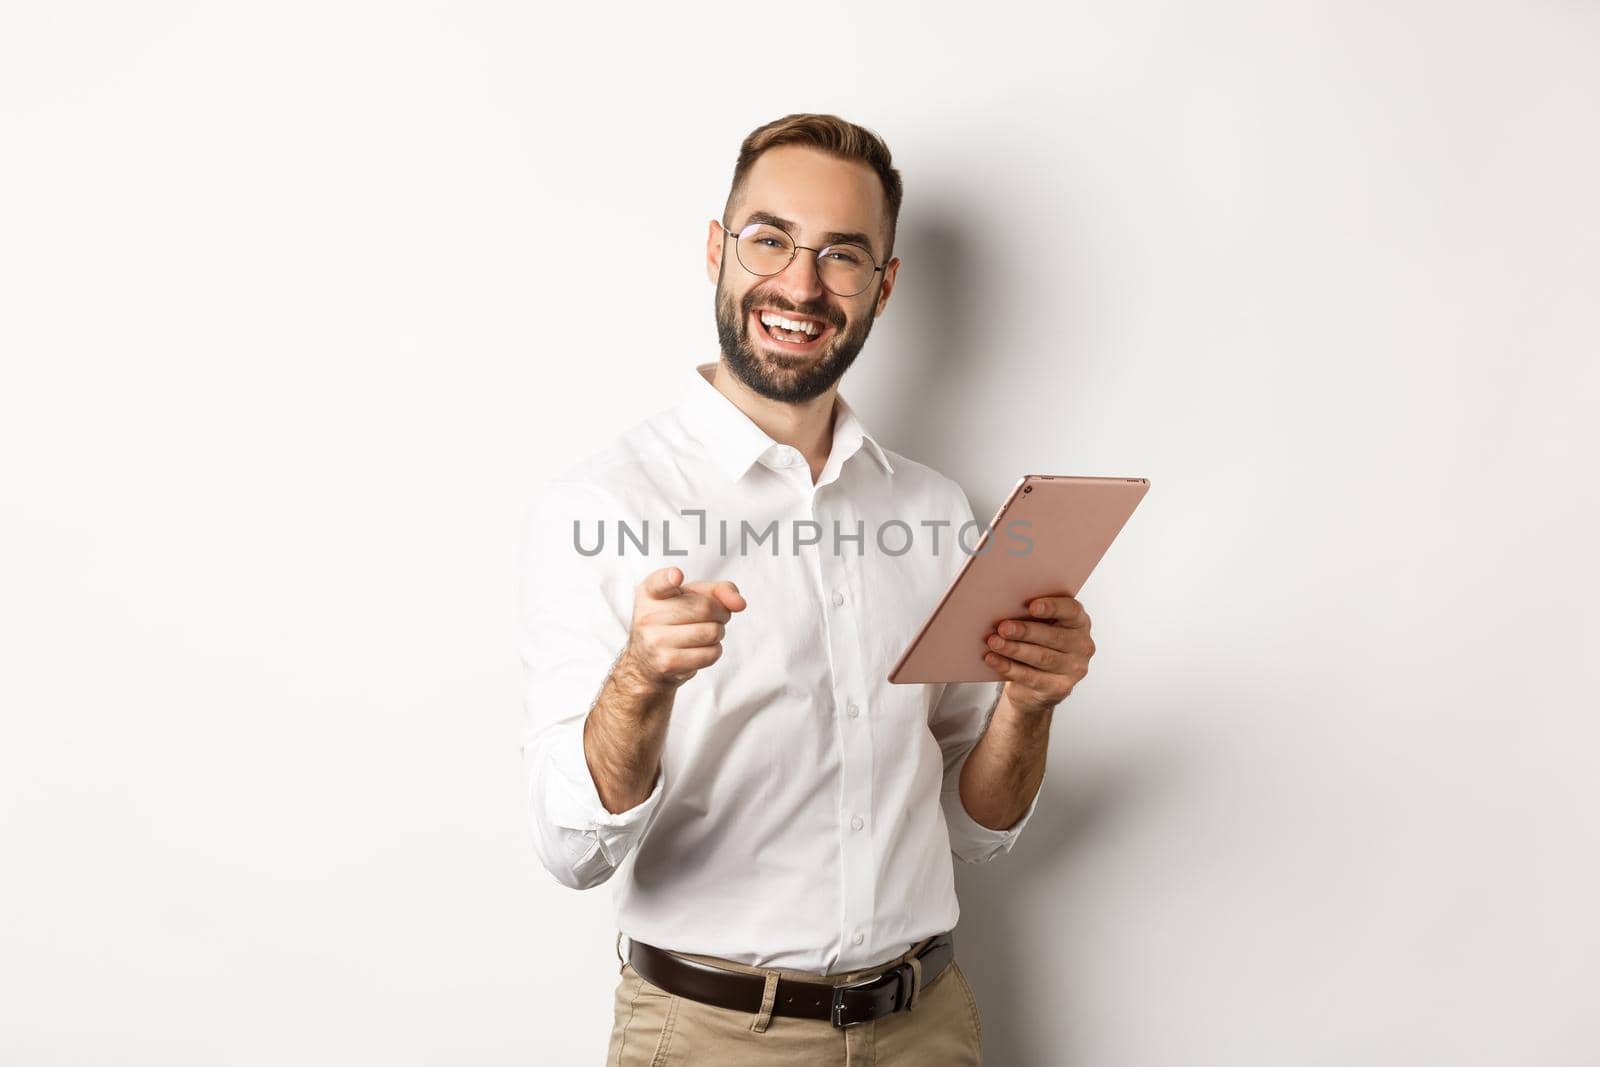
916	982
769	997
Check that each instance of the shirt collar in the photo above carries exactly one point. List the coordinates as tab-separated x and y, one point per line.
734	441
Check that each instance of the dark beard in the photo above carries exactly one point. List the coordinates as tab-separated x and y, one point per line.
767	373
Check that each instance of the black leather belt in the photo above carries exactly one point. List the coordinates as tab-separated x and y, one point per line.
843	1005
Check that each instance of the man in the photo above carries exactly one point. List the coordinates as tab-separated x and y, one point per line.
779	819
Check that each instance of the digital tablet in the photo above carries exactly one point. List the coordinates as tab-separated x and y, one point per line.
1045	540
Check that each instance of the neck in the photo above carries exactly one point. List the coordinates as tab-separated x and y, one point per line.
806	426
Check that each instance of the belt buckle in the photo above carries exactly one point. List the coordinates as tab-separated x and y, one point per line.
901	973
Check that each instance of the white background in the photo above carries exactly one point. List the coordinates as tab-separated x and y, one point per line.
297	301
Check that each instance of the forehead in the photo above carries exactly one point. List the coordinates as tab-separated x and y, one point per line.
817	191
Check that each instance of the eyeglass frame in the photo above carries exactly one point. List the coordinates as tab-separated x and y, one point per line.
795	251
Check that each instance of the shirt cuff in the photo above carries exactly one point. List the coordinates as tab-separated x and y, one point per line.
573	802
974	842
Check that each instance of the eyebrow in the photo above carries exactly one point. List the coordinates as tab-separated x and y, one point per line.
832	237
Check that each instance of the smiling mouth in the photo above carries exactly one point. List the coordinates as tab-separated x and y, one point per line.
788	340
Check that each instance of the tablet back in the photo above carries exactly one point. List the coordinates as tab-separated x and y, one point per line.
1045	540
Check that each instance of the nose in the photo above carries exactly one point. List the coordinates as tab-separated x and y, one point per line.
800	281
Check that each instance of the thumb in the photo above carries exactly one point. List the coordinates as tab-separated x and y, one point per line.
663	584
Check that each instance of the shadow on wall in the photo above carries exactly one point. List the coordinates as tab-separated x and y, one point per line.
966	290
947	310
963	357
1022	973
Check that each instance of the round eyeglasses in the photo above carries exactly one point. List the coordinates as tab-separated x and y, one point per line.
845	269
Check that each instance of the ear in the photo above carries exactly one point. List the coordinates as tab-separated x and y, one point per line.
890	269
715	243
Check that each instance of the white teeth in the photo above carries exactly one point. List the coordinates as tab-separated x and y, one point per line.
769	319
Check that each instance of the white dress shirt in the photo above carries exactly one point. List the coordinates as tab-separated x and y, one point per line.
806	810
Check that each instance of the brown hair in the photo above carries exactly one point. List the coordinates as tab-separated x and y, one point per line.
833	135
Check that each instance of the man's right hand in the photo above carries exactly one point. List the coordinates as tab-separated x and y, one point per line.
678	626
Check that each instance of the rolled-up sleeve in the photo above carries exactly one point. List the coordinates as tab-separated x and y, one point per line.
958	721
570	633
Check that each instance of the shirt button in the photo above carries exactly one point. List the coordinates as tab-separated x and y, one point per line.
853	711
838	598
857	937
856	823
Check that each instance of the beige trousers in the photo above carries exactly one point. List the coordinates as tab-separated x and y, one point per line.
653	1028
